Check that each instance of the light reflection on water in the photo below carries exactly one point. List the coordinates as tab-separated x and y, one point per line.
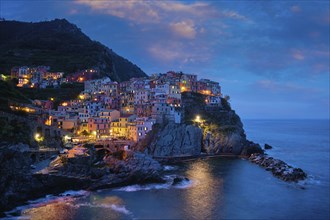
86	207
58	210
202	200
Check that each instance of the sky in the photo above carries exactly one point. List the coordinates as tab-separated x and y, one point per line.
270	57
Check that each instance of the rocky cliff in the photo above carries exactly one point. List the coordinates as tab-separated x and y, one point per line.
14	174
219	130
176	140
223	131
225	137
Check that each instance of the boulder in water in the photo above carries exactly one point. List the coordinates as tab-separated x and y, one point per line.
177	180
267	147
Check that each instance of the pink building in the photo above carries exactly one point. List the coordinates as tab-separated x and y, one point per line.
139	129
98	126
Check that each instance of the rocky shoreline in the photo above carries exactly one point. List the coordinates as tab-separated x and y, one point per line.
279	168
90	171
99	169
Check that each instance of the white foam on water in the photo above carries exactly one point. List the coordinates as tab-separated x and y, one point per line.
184	184
117	208
86	204
17	218
310	180
75	193
168	185
31	204
121	209
134	188
167	168
66	197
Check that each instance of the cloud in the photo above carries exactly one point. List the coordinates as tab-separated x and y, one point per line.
181	18
176	21
180	54
234	15
148	11
73	11
298	55
295	9
198	8
133	10
269	89
165	53
185	29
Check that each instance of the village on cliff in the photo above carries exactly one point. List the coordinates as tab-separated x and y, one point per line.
108	110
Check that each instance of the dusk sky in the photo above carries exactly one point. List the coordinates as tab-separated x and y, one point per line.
270	57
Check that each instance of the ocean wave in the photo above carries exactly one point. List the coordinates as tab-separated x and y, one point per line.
168	185
66	197
311	180
16	218
118	208
137	187
168	168
184	184
121	209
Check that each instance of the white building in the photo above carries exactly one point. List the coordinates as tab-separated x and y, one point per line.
111	114
92	108
140	127
141	96
83	117
175	92
95	85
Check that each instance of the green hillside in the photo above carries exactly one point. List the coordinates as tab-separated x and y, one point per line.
9	93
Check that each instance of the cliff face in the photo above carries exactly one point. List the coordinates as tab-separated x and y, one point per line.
62	46
176	140
15	174
225	135
223	131
219	130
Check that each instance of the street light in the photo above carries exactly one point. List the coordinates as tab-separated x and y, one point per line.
38	137
66	138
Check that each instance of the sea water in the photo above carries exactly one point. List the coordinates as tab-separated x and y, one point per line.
218	188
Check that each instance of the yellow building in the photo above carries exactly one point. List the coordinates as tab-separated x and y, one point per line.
119	128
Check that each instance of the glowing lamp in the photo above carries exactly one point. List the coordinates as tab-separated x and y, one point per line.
198	119
38	137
